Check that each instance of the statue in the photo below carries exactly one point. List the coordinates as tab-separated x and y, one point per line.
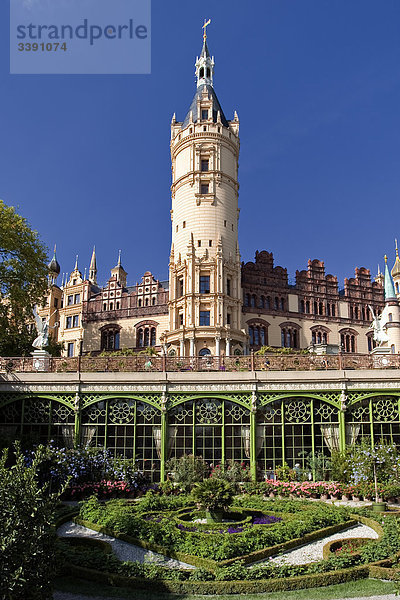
380	335
42	328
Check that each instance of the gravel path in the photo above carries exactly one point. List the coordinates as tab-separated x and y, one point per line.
122	550
313	552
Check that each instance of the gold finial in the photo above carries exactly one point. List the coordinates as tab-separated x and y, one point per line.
205	28
397	250
385	257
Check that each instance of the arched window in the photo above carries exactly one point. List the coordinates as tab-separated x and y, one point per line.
348	340
140	338
268	302
320	308
110	338
258	332
153	337
315	308
262	302
153	301
328	309
302	306
333	310
147	301
282	303
276	303
251	336
140	302
146	339
290	335
247	300
308	307
253	301
371	342
356	313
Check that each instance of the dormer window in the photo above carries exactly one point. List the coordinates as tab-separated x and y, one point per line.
204	114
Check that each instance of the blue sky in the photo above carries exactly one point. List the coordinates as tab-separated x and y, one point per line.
316	85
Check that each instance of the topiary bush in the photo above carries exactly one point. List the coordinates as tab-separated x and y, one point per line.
213	494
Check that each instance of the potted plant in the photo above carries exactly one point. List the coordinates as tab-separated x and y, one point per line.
214	496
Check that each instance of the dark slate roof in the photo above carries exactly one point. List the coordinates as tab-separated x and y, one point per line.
204	51
216	106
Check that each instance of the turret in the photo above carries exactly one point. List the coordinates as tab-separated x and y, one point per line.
119	272
93	268
54	269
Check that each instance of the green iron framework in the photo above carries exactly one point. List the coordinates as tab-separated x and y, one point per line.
259	430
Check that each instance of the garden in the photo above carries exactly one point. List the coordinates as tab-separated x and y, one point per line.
203	531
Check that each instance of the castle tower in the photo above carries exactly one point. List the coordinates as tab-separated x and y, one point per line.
396	272
204	271
93	268
391	313
119	272
54	269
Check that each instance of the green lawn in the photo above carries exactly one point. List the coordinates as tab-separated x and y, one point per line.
363	587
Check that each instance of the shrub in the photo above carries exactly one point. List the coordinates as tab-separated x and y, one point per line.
213	494
27	540
188	470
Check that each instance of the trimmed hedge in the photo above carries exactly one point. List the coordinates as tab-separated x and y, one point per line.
89	543
210	564
225	587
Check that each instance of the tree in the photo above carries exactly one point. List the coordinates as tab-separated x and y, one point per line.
27	538
23	280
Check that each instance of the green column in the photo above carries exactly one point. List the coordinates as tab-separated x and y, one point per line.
371	419
223	433
253	457
342	430
78	420
164	443
312	435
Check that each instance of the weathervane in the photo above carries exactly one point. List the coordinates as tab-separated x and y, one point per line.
206	23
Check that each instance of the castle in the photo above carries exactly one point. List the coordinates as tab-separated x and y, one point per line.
213	304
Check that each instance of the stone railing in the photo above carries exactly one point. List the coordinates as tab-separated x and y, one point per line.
252	362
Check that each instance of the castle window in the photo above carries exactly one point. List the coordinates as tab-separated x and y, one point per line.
140	302
204	188
289	335
228	287
70	300
199	243
140	338
371	342
208	72
228	318
333	310
118	305
247	300
282	304
308	307
315	308
204	318
348	340
180	287
153	336
253	301
204	115
201	72
356	315
177	227
153	301
147	301
76	321
104	306
390	316
204	284
146	337
276	304
224	223
184	224
262	302
268	302
219	129
392	349
110	338
70	351
180	319
55	302
204	164
302	306
68	323
210	243
204	128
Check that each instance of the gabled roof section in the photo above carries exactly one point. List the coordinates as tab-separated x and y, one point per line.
216	106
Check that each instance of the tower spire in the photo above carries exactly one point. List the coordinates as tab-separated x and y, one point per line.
205	63
389	287
93	268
